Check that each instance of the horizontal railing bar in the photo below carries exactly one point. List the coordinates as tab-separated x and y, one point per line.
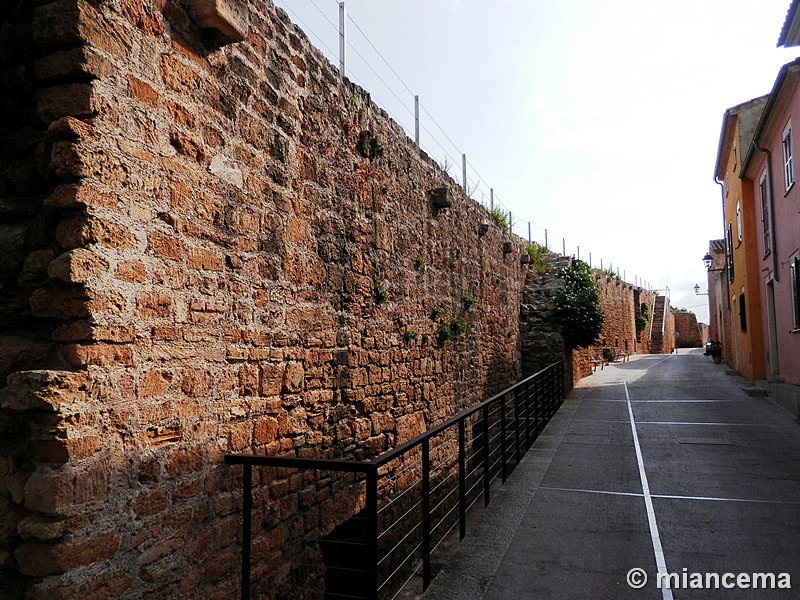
442	520
331	595
400	495
332	568
342	542
405	560
400	518
296	462
398	544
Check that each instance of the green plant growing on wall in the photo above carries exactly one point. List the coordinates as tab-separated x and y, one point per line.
446	166
451	329
444	334
436	313
409	335
610	273
468	301
578	310
458	326
381	295
537	253
643	319
500	217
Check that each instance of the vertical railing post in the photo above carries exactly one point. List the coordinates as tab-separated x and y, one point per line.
487	479
247	528
517	420
462	479
503	455
528	387
464	172
372	533
491	198
426	513
342	40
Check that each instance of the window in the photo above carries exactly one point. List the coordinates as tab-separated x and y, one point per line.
739	220
766	228
794	269
742	313
730	252
788	168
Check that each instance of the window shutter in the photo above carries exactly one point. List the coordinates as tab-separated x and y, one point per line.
793	268
742	313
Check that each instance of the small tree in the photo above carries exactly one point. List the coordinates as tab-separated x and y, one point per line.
578	310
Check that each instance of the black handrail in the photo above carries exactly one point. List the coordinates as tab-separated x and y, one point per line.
540	394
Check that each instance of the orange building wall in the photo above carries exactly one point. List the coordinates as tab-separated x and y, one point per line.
745	345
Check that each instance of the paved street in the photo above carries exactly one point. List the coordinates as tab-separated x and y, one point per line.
661	463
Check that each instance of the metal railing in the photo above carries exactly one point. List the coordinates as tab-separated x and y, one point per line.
416	494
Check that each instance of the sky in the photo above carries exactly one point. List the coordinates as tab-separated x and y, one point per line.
598	122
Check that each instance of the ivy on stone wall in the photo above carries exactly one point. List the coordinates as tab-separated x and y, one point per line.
578	312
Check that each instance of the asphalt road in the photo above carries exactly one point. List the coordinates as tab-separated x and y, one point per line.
661	463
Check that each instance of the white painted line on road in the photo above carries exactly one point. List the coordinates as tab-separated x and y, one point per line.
701	423
658	551
713	499
581	491
667	496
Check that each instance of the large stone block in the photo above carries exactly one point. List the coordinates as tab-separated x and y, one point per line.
230	18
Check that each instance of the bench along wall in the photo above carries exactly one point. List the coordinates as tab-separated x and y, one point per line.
210	249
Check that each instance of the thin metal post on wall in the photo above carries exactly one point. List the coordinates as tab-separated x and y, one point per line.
491	198
564	242
579	252
416	120
529	232
342	40
546	244
464	172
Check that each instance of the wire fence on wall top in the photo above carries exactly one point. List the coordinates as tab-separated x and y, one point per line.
345	44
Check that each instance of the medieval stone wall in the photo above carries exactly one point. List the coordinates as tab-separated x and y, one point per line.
215	249
542	343
688	330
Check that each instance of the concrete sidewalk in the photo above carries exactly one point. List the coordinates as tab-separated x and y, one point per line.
662	460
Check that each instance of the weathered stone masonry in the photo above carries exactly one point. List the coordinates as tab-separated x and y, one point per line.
215	248
206	250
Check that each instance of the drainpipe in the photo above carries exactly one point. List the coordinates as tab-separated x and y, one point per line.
774	251
725	274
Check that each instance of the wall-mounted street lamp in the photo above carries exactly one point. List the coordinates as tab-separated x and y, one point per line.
708	260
